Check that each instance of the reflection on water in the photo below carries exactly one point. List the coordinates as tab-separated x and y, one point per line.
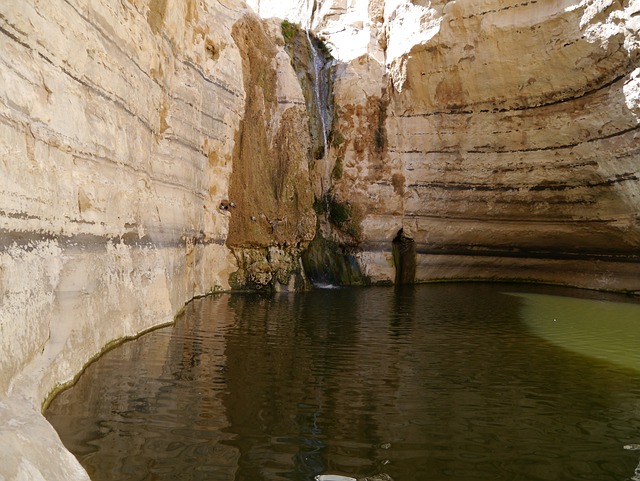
435	382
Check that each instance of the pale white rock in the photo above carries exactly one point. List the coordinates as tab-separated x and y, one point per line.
631	90
296	11
408	25
117	129
345	25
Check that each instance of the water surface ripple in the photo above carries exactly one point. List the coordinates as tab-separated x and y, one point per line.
453	382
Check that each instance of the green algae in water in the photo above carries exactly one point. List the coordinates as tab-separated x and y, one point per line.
604	330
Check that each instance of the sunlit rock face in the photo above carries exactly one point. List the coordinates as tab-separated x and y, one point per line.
519	138
125	131
501	136
153	151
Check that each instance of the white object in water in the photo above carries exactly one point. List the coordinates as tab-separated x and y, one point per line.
333	477
324	285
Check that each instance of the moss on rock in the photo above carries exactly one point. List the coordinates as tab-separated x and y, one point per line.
326	261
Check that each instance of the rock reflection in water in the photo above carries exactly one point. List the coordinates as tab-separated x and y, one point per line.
440	382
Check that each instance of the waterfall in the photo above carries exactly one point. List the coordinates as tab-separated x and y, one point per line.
320	87
319	90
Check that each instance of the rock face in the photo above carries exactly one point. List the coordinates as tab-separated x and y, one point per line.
124	128
154	151
518	131
273	219
502	137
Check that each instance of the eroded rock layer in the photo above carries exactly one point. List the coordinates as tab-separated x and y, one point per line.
502	137
126	135
153	151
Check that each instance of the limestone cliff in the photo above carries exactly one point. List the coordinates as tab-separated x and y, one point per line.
519	138
153	151
272	219
126	133
502	137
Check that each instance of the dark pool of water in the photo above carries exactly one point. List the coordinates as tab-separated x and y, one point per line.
436	383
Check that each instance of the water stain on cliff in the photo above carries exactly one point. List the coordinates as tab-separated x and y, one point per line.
270	181
404	258
155	17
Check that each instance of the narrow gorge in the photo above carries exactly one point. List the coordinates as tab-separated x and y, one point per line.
155	151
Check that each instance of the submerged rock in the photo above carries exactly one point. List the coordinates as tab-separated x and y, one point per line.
377	477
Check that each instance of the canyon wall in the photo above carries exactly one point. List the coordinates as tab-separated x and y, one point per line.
501	137
127	138
517	123
153	151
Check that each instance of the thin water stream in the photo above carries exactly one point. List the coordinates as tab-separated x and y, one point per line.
450	382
